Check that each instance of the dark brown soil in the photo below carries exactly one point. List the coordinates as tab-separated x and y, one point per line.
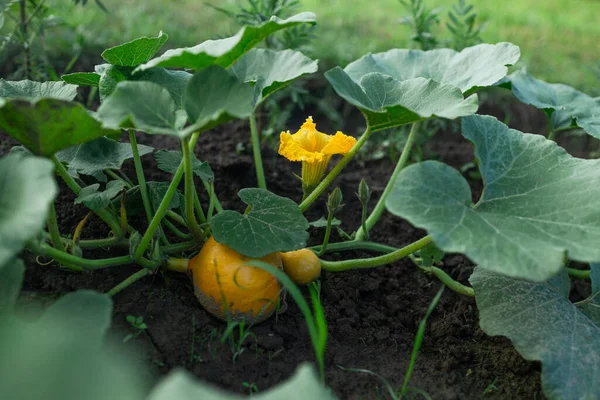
372	314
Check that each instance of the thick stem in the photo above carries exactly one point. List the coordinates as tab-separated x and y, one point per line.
314	195
190	193
53	229
180	247
448	281
163	207
337	266
579	273
177	264
139	171
380	206
354	245
96	243
129	281
258	164
66	258
104	214
169	225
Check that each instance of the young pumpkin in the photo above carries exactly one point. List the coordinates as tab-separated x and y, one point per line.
302	266
231	290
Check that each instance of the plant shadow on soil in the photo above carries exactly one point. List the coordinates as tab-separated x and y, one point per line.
372	314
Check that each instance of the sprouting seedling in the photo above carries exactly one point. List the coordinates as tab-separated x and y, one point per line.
334	204
139	326
251	387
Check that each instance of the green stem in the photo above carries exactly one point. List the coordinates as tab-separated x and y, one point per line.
53	229
176	217
448	281
380	206
260	173
163	207
354	245
129	281
139	171
198	208
218	206
327	235
106	216
190	189
66	258
337	266
314	195
116	177
211	203
180	247
96	243
579	273
169	225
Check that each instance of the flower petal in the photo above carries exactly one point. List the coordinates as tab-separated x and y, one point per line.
293	150
339	144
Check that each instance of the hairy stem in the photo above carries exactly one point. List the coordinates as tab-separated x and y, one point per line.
53	229
314	195
66	258
361	234
449	282
337	266
258	164
356	245
327	235
139	171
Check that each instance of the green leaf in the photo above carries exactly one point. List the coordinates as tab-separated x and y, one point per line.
34	91
49	125
181	385
595	277
405	86
322	222
110	77
270	70
545	326
430	254
387	102
174	81
136	52
472	68
51	358
213	97
93	157
224	52
11	280
273	224
82	78
141	105
538	203
169	160
27	188
564	100
96	200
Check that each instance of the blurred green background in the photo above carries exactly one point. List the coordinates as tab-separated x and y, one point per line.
559	39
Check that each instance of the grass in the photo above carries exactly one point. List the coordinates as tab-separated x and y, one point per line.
558	38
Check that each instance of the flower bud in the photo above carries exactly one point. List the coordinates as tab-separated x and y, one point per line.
364	192
334	202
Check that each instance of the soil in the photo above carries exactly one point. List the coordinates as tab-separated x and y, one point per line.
372	314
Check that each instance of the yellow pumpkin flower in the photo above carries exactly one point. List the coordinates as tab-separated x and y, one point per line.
314	149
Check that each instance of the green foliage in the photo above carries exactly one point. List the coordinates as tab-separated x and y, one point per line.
545	326
136	52
271	223
96	200
514	229
11	276
169	160
462	26
27	189
34	91
421	21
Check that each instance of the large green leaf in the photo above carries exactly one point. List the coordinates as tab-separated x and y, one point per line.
11	279
27	188
387	102
224	52
63	355
110	77
273	223
181	385
136	52
141	105
96	200
404	86
174	81
34	91
169	160
49	125
271	70
82	78
565	101
538	203
544	326
213	97
93	157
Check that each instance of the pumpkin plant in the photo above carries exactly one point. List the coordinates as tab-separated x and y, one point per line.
539	209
